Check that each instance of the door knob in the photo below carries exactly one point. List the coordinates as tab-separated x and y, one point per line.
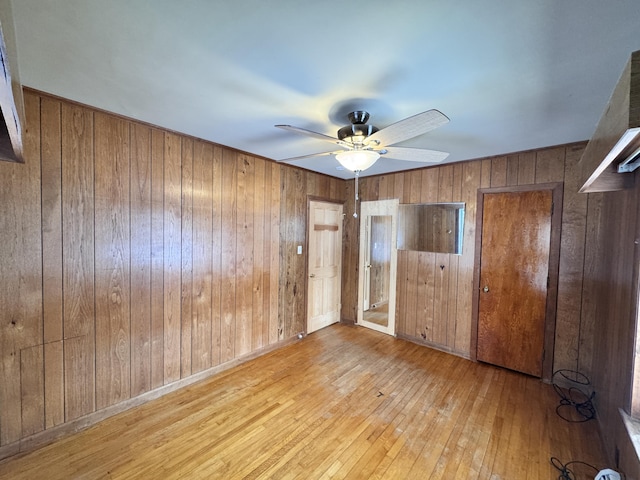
486	289
312	275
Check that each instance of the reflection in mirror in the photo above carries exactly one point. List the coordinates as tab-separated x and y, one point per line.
377	276
431	227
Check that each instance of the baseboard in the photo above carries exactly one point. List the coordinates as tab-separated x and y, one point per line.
434	346
40	439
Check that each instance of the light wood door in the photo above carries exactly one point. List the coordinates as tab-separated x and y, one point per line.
516	239
325	264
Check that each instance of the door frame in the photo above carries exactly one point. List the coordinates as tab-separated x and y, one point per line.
314	198
388	207
557	190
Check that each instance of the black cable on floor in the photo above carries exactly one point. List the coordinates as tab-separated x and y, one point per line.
565	472
579	396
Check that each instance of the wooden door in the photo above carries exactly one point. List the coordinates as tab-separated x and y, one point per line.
514	276
325	264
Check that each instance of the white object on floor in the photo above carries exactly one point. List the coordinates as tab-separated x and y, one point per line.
607	474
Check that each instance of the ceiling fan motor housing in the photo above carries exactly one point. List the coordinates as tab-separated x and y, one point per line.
358	127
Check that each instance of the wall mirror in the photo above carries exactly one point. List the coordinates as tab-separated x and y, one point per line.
431	227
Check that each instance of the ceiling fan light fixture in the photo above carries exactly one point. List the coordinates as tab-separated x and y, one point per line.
357	160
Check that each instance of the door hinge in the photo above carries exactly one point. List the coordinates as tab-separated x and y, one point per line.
548	282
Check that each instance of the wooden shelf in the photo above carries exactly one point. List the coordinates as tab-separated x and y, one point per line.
616	137
11	100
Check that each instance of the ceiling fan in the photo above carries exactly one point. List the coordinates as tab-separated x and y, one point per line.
362	144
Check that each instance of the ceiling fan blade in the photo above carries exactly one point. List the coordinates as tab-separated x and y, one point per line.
324	154
309	133
415	154
408	128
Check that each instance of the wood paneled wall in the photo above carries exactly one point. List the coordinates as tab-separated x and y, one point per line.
435	290
133	257
611	282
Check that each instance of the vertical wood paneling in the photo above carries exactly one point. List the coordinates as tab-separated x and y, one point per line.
112	263
499	172
526	168
203	252
383	188
398	187
258	258
401	292
486	173
444	274
141	259
292	271
513	164
427	263
444	297
265	250
244	256
172	256
454	261
426	286
140	256
228	269
217	282
297	321
594	243
50	119
78	260
32	389
412	189
572	249
471	180
157	258
350	248
54	383
242	286
186	241
21	269
410	304
51	219
275	258
550	165
612	280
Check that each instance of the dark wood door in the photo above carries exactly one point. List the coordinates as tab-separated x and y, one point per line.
514	275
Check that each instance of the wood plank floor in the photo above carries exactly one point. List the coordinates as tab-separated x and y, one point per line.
345	402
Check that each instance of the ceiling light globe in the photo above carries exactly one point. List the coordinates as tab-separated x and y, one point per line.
357	160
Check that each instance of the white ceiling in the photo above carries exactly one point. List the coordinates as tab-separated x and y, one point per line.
511	75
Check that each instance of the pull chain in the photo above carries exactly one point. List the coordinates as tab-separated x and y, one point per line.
355	203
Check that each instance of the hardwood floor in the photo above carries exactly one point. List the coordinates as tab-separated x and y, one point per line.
345	402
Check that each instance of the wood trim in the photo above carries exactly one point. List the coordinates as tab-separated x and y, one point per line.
330	228
557	190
